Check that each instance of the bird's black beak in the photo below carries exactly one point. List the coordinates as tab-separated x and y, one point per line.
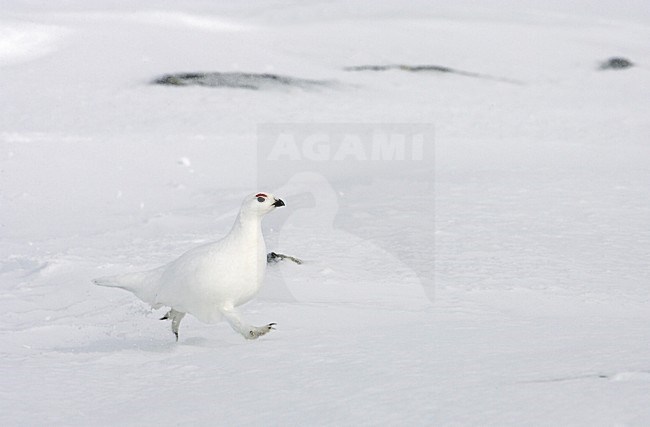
278	203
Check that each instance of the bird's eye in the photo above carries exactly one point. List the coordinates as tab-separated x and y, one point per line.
261	199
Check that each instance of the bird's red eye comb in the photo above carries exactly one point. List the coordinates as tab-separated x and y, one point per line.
261	195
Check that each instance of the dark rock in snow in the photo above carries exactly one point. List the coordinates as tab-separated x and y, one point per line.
616	63
237	80
427	68
414	68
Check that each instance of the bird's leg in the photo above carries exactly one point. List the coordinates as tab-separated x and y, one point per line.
247	331
176	317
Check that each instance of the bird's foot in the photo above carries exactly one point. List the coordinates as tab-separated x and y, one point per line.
176	317
272	258
257	331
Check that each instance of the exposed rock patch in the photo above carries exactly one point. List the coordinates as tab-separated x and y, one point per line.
428	68
616	63
237	80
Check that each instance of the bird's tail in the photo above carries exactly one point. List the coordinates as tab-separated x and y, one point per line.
106	281
142	284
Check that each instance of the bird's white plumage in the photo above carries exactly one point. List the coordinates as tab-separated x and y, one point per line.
209	281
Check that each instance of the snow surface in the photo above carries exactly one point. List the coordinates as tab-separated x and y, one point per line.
504	280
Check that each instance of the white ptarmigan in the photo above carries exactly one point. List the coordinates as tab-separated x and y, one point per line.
210	281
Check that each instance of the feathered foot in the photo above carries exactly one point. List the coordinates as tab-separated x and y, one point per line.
247	331
257	331
272	258
176	317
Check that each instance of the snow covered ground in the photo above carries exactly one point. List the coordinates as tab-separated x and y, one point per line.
499	277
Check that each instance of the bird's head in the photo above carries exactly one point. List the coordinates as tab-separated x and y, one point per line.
261	204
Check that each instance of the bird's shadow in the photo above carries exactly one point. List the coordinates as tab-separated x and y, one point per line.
136	344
